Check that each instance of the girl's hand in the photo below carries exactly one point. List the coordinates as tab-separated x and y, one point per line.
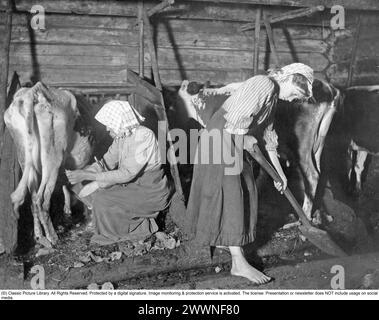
281	186
249	142
104	185
94	168
76	176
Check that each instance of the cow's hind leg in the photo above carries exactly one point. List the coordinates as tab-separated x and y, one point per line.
349	163
310	178
44	212
356	164
19	121
308	171
67	201
358	168
51	160
38	233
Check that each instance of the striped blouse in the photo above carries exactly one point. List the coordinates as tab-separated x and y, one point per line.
252	104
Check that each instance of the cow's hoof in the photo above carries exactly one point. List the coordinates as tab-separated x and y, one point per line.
44	242
67	211
90	227
317	218
291	225
53	238
2	248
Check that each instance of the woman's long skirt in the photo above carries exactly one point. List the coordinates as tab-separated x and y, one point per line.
127	212
222	207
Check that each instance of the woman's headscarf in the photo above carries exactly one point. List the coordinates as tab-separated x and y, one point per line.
120	116
295	68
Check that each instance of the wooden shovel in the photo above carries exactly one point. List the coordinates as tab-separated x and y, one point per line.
320	238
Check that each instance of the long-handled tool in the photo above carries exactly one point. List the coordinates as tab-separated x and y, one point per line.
318	237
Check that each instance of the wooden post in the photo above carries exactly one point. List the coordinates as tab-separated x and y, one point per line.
5	70
151	46
8	170
141	51
256	40
294	14
177	208
354	52
158	84
159	7
270	36
15	85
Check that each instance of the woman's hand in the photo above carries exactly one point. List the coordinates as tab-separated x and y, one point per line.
104	185
281	186
249	142
76	176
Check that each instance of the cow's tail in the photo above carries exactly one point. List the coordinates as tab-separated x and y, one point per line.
323	128
29	176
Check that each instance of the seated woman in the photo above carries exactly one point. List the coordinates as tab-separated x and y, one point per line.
133	186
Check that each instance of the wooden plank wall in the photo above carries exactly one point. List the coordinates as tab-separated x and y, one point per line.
367	60
91	42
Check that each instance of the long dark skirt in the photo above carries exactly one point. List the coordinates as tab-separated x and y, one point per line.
222	207
127	212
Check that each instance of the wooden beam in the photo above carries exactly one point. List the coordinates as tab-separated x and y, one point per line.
354	52
347	4
8	166
286	16
160	7
256	40
270	36
5	69
151	46
141	51
126	8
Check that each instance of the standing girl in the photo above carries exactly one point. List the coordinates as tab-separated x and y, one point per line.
223	204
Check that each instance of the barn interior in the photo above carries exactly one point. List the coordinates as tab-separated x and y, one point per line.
142	51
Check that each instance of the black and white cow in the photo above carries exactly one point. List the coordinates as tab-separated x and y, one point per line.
361	127
301	126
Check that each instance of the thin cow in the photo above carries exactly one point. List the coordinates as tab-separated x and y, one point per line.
51	131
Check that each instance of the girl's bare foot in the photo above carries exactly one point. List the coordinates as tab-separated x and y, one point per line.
241	268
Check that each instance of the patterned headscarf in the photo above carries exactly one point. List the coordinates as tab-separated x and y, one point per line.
120	116
291	69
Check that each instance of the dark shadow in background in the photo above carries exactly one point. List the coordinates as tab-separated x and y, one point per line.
267	55
166	23
351	227
291	46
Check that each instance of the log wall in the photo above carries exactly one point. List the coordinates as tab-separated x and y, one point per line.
91	43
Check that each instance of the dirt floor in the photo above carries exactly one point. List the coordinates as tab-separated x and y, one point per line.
166	260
